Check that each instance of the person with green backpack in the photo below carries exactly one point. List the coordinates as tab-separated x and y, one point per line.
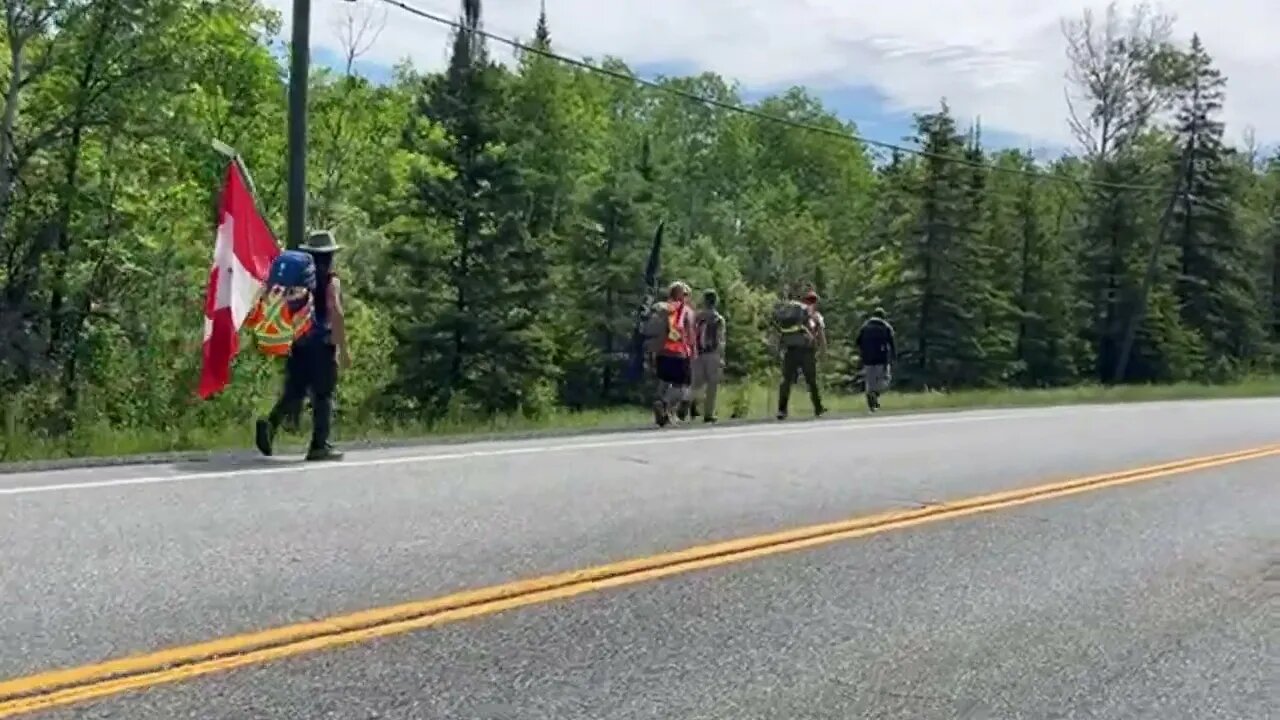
802	333
708	366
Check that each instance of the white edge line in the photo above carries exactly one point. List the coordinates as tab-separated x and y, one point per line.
662	438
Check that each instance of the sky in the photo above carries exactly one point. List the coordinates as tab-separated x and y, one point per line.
872	62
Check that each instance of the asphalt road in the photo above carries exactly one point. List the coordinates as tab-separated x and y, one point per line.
1153	600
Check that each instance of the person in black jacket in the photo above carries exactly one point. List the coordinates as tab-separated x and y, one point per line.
877	350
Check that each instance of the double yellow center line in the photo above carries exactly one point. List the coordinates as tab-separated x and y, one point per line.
75	685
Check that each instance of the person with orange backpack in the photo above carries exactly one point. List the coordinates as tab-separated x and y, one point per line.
299	317
671	332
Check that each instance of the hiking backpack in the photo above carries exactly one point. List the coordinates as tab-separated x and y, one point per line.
655	326
284	312
709	323
787	316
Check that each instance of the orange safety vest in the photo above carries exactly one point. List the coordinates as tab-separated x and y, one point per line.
278	319
676	343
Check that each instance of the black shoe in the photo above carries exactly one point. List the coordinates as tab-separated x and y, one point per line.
710	419
693	410
819	412
682	411
323	453
262	436
660	415
782	416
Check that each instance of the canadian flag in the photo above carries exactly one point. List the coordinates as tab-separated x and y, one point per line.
242	254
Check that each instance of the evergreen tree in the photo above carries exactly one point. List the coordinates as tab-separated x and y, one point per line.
1046	346
1110	241
606	259
1270	244
945	281
470	331
1216	285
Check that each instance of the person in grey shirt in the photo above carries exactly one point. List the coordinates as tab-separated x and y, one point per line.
708	365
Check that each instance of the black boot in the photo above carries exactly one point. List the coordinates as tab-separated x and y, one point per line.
264	436
682	411
660	415
324	452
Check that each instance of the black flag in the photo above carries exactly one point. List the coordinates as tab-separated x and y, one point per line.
635	365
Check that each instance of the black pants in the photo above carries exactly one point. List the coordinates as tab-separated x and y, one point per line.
797	361
673	369
312	368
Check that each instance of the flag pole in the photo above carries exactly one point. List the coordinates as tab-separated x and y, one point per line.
234	156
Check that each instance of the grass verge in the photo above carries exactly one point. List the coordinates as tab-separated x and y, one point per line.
745	402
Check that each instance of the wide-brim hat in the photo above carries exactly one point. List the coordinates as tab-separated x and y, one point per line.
320	242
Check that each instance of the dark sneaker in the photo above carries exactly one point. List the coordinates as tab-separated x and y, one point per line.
710	419
324	453
660	415
682	411
693	410
262	436
782	416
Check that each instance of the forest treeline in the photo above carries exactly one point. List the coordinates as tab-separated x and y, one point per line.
497	217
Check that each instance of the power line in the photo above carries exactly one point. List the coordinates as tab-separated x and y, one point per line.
752	112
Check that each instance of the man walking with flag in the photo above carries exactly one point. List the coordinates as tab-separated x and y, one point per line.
244	252
312	367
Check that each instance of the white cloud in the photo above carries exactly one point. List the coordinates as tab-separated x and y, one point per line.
1000	59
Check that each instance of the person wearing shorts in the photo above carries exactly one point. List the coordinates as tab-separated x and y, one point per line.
673	363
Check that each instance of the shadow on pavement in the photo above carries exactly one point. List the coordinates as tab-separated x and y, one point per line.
248	460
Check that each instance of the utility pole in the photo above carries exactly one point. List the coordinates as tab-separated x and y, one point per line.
299	74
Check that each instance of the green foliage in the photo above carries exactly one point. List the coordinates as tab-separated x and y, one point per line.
497	224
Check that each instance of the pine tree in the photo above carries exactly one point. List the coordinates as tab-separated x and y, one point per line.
1115	223
986	358
944	280
605	261
1270	243
542	33
1046	346
470	306
548	130
1216	286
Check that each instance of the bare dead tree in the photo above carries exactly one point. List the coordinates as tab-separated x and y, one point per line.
1251	148
358	31
1116	83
